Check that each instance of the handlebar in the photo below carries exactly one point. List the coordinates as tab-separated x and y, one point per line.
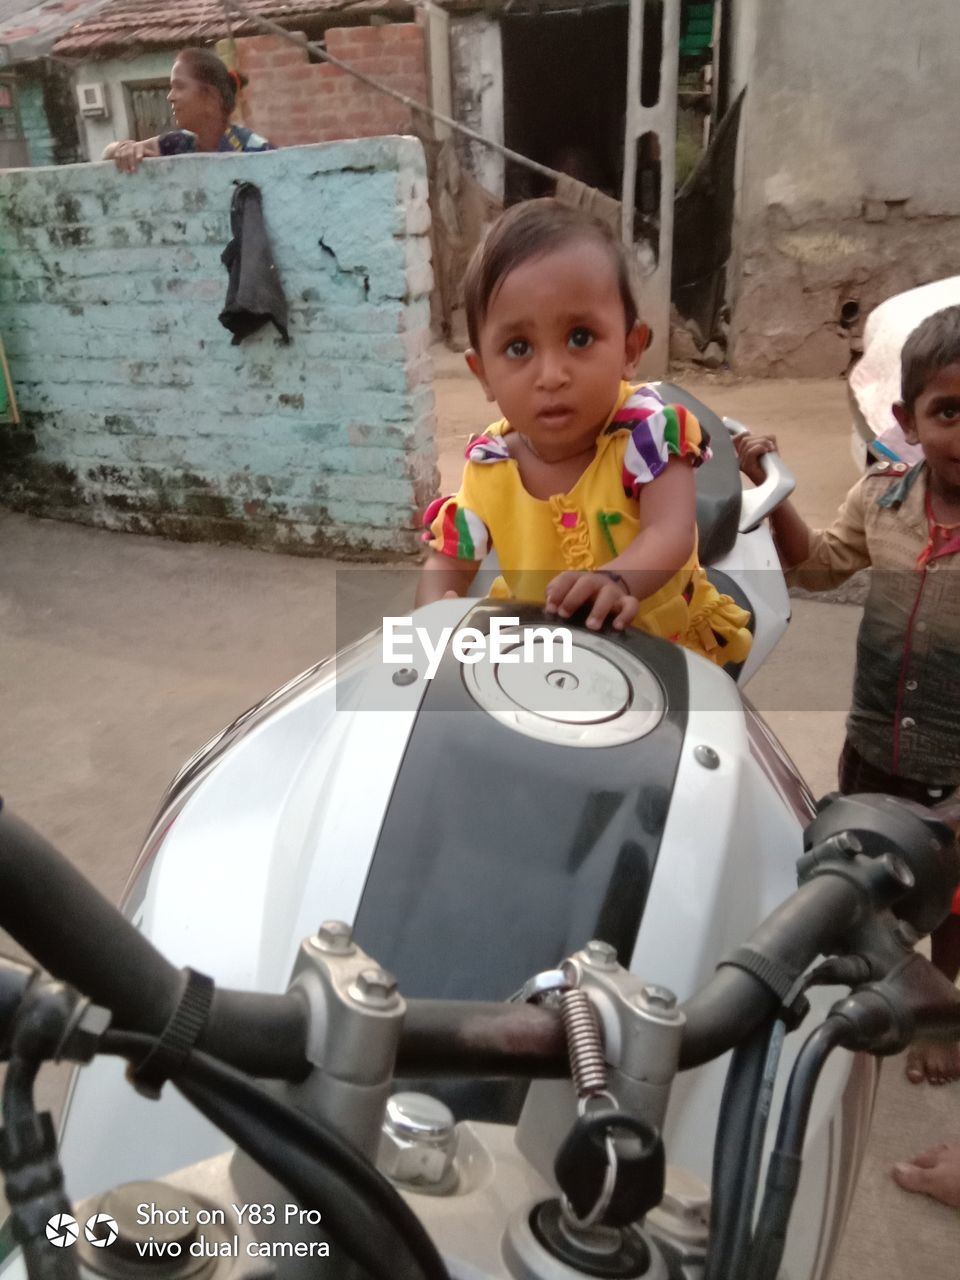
258	1033
265	1035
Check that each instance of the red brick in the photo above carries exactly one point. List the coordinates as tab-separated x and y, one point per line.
298	73
339	38
261	44
379	66
283	62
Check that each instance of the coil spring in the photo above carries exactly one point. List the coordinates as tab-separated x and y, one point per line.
584	1044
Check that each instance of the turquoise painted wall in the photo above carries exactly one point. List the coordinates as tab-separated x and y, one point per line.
33	118
139	414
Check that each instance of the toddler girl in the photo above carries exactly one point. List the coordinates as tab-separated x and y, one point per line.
585	487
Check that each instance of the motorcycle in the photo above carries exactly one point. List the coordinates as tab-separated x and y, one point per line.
578	1188
473	831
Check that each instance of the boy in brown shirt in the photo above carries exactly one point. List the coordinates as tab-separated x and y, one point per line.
903	729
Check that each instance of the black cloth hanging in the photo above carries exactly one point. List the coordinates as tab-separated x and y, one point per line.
254	292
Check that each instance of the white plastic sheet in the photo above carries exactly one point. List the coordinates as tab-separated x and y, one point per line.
29	29
875	381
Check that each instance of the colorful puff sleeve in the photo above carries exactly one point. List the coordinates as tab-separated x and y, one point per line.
657	432
452	524
454	530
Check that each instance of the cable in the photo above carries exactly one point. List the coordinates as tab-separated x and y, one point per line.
735	1144
321	1169
786	1160
754	1153
32	1173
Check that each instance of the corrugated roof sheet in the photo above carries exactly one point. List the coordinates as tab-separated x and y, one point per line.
127	26
28	28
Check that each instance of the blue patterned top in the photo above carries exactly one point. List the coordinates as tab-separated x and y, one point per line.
181	142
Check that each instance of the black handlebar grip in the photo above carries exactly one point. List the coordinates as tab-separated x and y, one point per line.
80	937
77	934
734	1003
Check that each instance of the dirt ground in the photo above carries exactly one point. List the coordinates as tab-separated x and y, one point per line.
120	655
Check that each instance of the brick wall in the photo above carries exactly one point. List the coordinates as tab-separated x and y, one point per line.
139	414
290	100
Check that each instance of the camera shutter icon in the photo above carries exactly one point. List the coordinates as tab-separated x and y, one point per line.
62	1230
101	1230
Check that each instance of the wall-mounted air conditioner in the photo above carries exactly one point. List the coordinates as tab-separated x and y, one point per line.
93	100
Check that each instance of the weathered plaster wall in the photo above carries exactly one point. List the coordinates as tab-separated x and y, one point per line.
114	73
850	183
476	64
139	414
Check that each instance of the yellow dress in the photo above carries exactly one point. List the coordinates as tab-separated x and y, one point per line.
591	524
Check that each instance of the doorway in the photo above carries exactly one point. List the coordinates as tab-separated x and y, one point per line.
564	97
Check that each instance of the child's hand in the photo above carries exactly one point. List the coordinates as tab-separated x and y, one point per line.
750	449
569	591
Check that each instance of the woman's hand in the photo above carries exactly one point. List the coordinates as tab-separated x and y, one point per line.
128	153
750	449
569	591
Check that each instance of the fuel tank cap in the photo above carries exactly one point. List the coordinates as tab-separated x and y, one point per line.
597	694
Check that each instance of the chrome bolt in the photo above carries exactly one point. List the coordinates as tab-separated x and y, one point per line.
406	675
418	1142
335	937
688	1207
375	987
706	756
601	954
656	997
685	1204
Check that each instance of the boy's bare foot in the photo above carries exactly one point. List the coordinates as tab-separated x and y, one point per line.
934	1173
935	1063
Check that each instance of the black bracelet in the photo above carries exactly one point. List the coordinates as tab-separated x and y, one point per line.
618	578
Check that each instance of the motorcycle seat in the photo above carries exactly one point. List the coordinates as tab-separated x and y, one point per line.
718	483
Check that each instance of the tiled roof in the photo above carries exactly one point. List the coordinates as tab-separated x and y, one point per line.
127	26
